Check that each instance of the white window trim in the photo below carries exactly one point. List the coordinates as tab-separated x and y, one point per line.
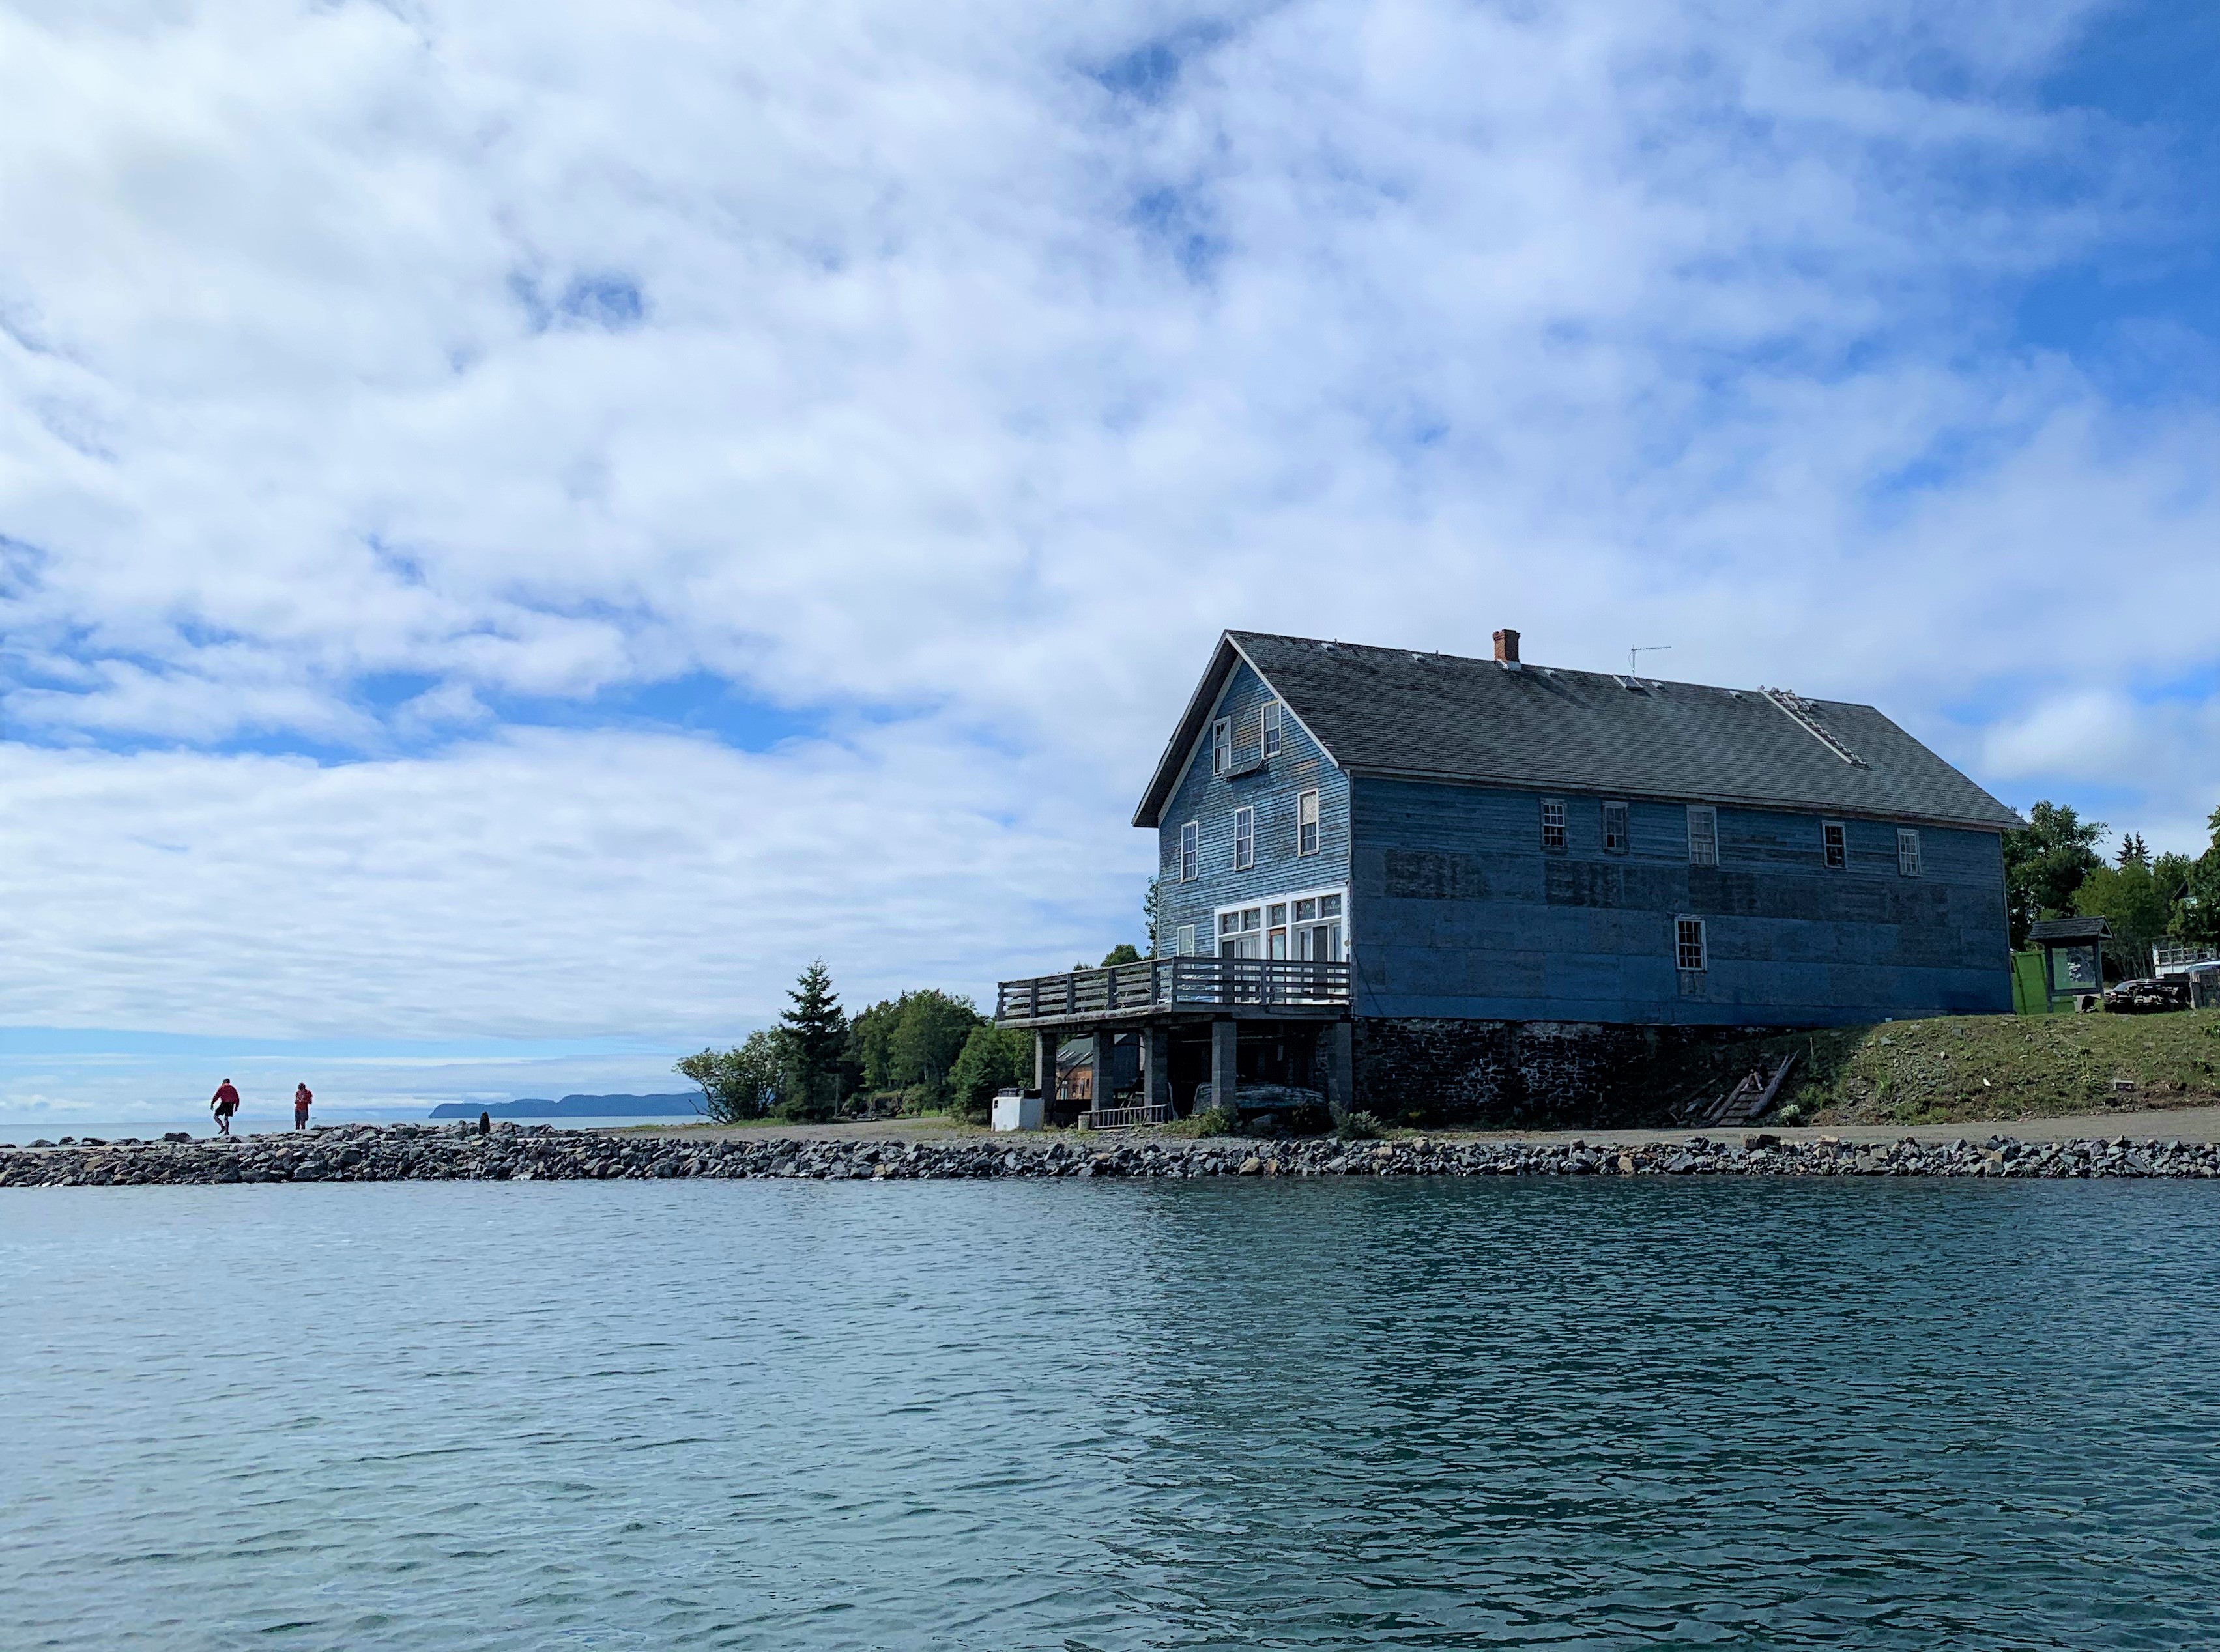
1266	903
1245	838
1271	728
1702	945
1185	942
1626	827
1190	865
1908	865
1705	811
1221	746
1317	808
1564	833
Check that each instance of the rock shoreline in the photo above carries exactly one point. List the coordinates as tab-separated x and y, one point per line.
542	1153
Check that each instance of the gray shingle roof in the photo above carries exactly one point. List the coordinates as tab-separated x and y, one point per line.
2069	929
1390	711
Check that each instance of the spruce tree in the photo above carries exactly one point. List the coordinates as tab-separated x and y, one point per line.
814	1033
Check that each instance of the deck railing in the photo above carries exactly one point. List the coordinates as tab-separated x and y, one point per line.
1156	985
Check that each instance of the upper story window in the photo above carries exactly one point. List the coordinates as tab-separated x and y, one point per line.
1244	838
1553	824
1307	824
1190	851
1221	746
1274	715
1836	846
1688	949
1614	828
1907	852
1703	835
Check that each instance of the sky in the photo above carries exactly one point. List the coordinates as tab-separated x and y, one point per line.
522	525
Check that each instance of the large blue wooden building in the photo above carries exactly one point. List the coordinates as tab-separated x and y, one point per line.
1483	884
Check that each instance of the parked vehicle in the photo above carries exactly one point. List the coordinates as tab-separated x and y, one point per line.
2145	997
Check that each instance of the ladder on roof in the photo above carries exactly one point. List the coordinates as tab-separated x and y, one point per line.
1807	716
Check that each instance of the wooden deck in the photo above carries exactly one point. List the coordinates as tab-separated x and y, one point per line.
1157	989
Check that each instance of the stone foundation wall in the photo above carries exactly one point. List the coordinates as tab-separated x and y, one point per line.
1530	1073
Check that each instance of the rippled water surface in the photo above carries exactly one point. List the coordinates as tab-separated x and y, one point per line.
1567	1414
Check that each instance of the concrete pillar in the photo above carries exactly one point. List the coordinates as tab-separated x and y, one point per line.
1155	1067
1340	1068
1225	1047
1044	1069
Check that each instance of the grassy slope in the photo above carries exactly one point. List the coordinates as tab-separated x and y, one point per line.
1973	1067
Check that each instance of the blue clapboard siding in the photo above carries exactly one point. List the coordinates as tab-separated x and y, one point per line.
1210	800
1457	910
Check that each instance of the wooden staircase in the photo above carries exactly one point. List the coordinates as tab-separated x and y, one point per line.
1747	1102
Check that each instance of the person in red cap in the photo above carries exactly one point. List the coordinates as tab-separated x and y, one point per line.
301	1096
224	1103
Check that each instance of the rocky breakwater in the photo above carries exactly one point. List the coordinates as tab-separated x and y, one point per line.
417	1153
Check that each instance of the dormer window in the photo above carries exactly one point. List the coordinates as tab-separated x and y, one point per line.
1274	714
1221	746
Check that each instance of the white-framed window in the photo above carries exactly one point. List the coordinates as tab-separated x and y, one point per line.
1703	835
1836	844
1614	828
1273	716
1244	838
1190	851
1553	823
1688	949
1306	928
1221	746
1186	940
1307	824
1907	852
1241	933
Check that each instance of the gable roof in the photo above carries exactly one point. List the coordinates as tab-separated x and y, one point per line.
1389	711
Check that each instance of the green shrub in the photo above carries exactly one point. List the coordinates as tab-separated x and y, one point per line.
1360	1127
1211	1121
1307	1119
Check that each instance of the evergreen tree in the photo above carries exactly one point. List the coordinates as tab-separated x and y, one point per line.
2134	851
1124	952
1152	910
2197	914
814	1033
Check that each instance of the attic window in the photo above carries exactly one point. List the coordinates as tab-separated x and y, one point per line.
1553	823
1221	746
1907	852
1275	717
1837	848
1703	835
1614	828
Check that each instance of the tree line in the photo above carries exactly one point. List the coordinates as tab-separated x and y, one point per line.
2052	870
924	1052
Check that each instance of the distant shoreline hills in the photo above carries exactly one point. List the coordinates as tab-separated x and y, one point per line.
686	1105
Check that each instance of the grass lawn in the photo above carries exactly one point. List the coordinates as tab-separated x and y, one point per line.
1970	1068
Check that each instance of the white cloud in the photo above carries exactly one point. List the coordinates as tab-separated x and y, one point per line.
960	372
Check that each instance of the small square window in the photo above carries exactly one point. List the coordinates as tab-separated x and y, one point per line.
1190	850
1273	714
1688	943
1329	905
1229	923
1907	852
1221	746
1838	847
1614	828
1703	835
1307	824
1244	838
1306	911
1277	916
1553	824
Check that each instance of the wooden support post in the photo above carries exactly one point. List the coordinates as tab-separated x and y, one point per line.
1340	1069
1155	1067
1106	1068
1224	1060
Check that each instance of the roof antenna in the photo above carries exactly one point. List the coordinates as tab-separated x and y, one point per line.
1632	670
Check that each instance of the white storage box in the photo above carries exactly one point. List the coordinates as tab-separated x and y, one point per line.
1015	1111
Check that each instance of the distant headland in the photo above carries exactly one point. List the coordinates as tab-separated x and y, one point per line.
684	1105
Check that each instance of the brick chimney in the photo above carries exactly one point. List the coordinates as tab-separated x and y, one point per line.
1506	647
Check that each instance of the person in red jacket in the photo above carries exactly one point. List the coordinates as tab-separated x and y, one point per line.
301	1096
224	1103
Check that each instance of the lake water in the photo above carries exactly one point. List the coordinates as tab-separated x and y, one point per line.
1593	1413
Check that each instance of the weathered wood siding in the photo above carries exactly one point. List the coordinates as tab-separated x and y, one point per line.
1210	800
1457	910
